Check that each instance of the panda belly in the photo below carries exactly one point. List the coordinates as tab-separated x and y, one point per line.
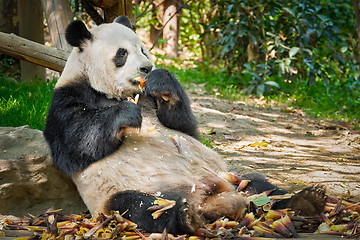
152	160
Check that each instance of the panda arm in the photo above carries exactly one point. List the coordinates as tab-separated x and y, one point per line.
173	105
84	126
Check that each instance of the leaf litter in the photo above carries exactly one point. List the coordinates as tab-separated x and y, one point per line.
257	221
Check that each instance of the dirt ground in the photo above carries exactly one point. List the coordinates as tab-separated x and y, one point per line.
293	150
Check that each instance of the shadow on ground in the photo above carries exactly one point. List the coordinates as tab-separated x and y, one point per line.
300	151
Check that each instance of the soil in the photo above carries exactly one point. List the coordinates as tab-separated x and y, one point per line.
293	150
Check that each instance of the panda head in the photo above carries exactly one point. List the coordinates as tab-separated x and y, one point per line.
110	56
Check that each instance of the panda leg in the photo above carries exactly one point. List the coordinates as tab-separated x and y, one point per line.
260	184
222	201
228	204
180	219
308	202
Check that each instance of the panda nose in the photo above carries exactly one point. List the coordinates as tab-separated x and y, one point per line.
146	69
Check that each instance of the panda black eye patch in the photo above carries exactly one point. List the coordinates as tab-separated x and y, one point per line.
120	57
143	52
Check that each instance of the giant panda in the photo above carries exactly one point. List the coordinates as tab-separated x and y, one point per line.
124	156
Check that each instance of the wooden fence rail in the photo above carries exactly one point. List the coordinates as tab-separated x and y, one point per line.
30	51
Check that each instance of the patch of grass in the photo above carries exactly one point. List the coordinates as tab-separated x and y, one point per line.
206	141
24	103
337	101
211	82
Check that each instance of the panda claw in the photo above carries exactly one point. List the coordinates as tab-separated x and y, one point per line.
310	201
166	98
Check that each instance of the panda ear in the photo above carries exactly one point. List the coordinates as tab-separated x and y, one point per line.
124	20
76	33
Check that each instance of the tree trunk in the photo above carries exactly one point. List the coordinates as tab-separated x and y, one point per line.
171	19
8	17
9	23
113	8
123	7
156	30
58	16
357	18
31	27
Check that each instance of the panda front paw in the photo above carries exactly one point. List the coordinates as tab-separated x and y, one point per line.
163	85
129	115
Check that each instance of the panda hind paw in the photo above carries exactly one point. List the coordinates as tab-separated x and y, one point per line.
310	201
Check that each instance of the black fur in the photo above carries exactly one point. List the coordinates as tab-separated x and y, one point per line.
76	34
308	202
120	57
260	184
176	112
82	126
124	20
135	204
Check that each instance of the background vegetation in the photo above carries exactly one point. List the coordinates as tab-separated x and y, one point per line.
302	50
303	53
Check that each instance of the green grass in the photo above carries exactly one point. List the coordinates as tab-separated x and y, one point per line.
340	100
337	101
24	103
211	82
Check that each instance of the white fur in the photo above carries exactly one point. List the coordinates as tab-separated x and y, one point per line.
96	61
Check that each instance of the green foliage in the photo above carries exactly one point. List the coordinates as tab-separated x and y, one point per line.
302	49
290	41
24	103
6	62
297	40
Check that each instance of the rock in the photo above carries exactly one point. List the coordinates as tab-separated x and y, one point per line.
29	183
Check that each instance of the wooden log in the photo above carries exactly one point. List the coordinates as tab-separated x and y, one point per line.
33	52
